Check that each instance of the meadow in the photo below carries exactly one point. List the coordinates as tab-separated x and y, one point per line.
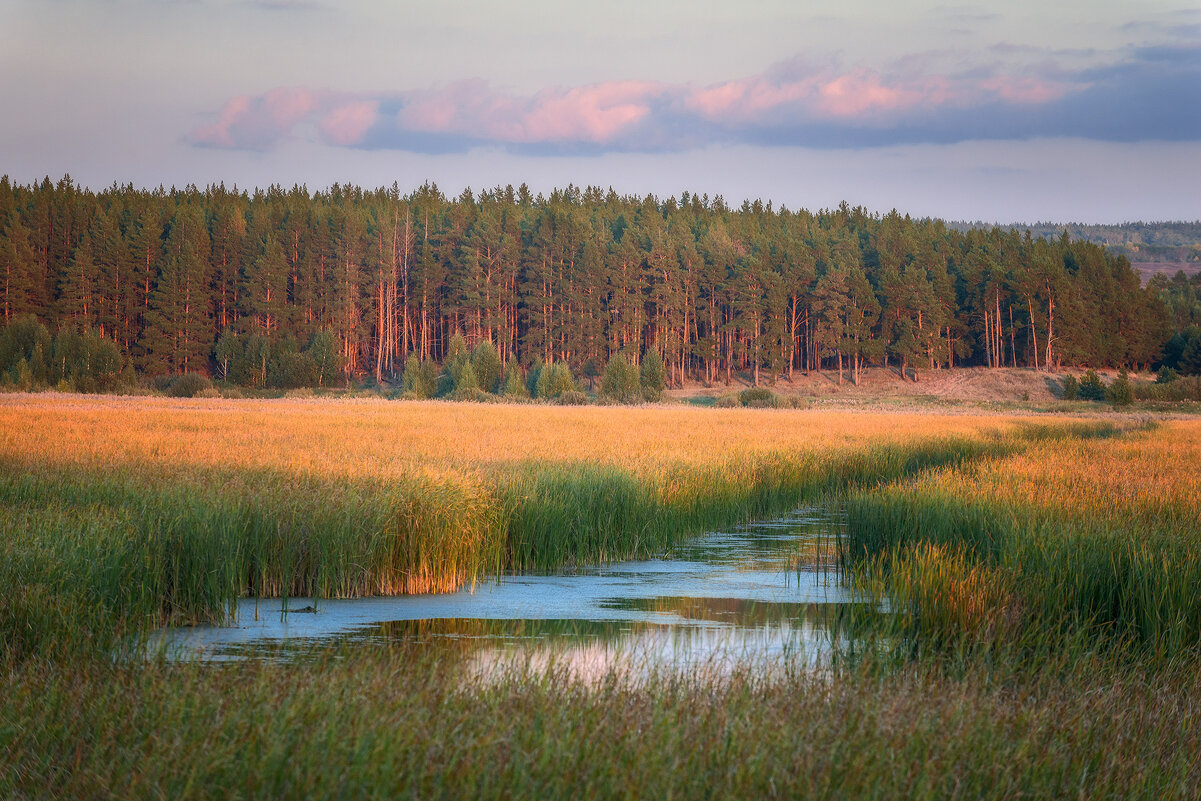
1039	573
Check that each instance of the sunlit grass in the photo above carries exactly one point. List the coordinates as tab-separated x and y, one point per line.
1080	542
132	513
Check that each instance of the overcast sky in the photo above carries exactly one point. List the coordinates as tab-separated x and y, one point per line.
1018	111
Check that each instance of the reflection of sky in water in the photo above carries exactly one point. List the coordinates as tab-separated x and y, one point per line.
759	593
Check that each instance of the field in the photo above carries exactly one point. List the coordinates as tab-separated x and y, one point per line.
1040	573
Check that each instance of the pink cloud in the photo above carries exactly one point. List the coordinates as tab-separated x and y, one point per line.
1024	90
347	124
256	123
632	114
594	114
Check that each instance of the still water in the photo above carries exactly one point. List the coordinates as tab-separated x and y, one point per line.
764	594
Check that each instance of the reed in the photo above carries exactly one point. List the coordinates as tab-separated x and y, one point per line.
396	723
1072	542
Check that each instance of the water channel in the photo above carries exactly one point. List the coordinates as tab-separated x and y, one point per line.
763	594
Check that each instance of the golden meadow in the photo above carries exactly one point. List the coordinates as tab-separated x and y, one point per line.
135	512
1040	575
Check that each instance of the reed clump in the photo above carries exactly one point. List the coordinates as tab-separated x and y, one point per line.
1079	542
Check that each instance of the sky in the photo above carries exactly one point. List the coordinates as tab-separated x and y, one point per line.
1015	111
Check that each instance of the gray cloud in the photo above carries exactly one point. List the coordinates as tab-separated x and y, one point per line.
1149	94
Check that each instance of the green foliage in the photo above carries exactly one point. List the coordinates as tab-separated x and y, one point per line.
457	357
572	397
23	345
188	385
758	398
486	363
652	375
1119	392
532	378
73	361
420	379
327	359
1179	390
292	370
1071	388
621	381
1166	375
1091	387
728	402
164	274
514	386
553	380
467	387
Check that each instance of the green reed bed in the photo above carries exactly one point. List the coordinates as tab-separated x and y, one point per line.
91	552
965	568
397	724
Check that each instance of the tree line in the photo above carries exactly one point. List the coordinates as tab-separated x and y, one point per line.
294	287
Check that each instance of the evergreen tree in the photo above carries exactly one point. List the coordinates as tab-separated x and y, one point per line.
652	376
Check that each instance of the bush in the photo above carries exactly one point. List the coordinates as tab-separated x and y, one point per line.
292	370
1119	392
572	397
1091	387
188	385
621	380
728	402
758	398
1166	375
553	380
420	378
652	375
514	386
1182	389
1071	388
486	363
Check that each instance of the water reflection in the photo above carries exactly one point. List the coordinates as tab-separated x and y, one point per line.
759	595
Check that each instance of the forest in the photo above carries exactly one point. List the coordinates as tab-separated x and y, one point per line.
292	287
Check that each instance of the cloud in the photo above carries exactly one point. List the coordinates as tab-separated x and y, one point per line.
1150	93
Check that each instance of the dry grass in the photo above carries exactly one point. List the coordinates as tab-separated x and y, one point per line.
387	439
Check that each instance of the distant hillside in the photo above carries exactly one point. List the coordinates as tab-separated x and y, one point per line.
1150	247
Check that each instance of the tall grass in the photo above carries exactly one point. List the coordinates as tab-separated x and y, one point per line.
127	550
396	723
1070	543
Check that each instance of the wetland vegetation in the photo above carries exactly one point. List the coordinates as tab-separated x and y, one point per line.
1028	625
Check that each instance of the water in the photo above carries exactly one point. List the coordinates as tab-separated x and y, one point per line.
765	594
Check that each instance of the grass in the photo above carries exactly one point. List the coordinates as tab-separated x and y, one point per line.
389	724
1040	640
1074	541
128	515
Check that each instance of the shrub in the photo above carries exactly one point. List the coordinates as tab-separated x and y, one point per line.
292	370
652	375
758	398
1119	392
514	386
728	402
572	397
621	381
1091	387
553	380
420	378
1071	388
1166	375
486	363
188	385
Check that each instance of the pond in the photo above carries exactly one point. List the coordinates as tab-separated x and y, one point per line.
763	594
